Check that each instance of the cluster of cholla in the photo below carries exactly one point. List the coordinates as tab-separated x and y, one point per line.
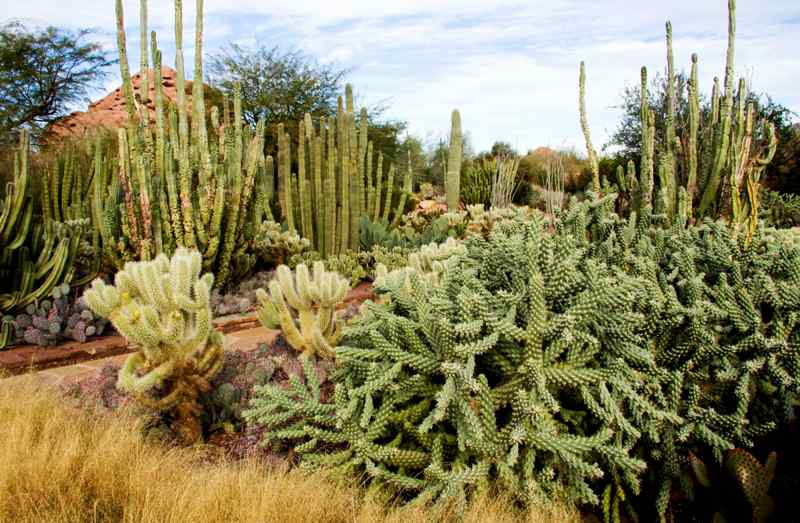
558	364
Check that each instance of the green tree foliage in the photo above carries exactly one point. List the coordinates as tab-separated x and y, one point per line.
626	141
43	73
277	86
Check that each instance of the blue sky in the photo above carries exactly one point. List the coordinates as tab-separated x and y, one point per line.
510	67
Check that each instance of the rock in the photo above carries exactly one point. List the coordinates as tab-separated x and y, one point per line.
110	113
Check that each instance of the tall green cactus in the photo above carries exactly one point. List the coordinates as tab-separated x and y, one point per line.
162	307
190	189
585	128
719	159
333	185
35	255
452	184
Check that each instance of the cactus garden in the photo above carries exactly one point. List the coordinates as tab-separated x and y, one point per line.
431	336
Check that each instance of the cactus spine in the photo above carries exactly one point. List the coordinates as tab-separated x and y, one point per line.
453	174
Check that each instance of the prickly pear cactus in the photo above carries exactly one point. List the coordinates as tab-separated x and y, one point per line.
63	316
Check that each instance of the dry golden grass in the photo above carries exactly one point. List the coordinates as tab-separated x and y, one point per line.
58	464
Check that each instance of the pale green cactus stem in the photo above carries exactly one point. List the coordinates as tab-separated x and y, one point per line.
162	308
694	125
453	177
721	137
124	70
303	305
401	205
667	170
585	128
378	189
144	52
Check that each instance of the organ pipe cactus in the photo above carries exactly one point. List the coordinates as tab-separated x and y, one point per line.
337	180
162	308
304	306
717	161
34	257
182	183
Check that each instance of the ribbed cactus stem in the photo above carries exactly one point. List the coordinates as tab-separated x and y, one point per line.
378	188
453	179
124	70
585	128
722	136
694	125
389	189
144	52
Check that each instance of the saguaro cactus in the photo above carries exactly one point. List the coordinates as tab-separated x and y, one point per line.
304	306
452	184
162	308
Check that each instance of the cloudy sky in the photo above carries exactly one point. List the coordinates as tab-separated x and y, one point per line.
511	67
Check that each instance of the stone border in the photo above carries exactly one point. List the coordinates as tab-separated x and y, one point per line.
24	358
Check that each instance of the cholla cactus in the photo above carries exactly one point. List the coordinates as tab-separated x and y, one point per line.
429	262
304	306
162	307
275	246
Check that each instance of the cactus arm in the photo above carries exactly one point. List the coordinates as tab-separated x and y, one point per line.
453	174
585	128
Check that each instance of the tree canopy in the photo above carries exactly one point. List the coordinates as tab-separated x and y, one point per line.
44	73
278	86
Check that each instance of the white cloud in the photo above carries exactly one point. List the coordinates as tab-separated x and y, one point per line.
510	66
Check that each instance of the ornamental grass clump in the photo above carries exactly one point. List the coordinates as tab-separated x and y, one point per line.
162	308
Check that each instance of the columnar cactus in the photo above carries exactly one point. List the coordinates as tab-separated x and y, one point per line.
585	127
162	308
304	306
334	185
36	257
452	184
719	159
174	185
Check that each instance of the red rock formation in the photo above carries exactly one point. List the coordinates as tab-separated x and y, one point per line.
110	113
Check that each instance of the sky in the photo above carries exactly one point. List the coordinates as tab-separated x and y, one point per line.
510	67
